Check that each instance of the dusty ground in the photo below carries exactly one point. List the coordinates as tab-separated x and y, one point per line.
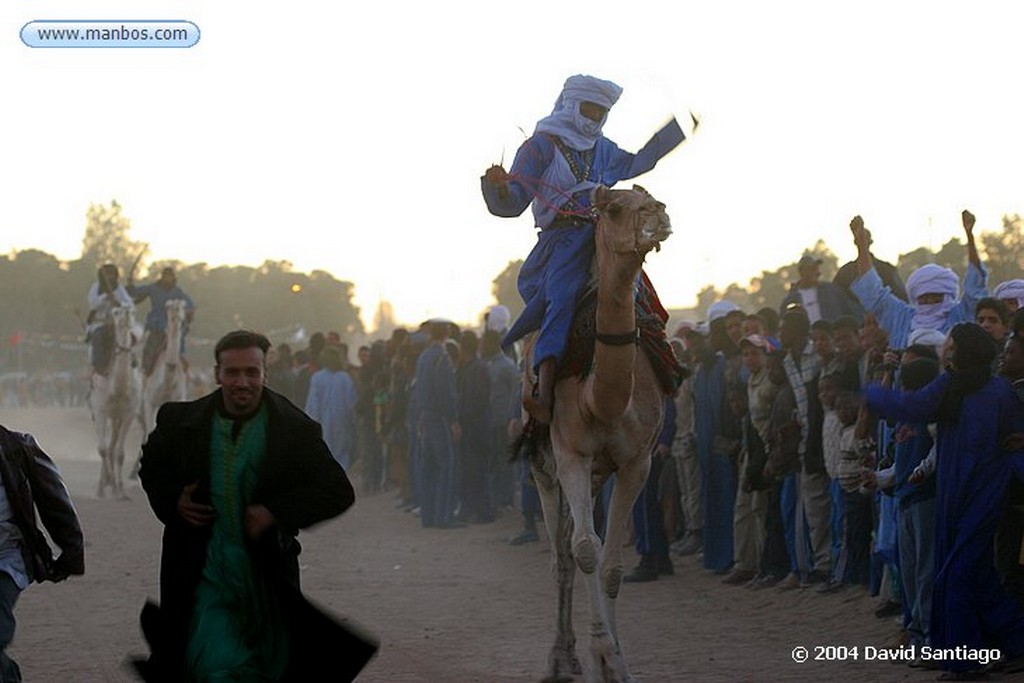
448	605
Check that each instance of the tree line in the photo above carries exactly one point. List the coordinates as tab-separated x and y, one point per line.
45	302
1002	252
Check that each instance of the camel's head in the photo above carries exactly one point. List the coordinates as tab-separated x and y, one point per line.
631	220
123	318
175	310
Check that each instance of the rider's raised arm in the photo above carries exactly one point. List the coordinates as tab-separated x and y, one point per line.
624	165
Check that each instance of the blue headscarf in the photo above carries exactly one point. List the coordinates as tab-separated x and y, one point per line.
565	121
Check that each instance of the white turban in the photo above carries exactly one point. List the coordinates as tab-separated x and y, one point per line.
1011	289
498	318
720	309
932	279
927	337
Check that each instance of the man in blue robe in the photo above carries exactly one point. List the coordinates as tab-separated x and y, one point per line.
555	171
159	293
976	413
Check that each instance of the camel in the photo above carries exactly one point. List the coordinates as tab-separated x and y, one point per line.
602	423
167	381
114	399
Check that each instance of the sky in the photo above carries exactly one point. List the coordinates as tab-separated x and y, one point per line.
350	137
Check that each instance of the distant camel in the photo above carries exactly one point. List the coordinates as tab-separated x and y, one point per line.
606	422
114	399
167	380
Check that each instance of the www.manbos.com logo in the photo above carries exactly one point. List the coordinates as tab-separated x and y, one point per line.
55	34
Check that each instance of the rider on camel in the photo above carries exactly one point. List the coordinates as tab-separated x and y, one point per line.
104	295
555	169
159	293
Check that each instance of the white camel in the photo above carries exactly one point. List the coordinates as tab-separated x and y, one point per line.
114	399
167	381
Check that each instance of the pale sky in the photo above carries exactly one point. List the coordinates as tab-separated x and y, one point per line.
351	137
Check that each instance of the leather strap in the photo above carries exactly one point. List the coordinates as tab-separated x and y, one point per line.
619	339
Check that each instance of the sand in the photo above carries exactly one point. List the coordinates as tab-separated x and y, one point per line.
448	605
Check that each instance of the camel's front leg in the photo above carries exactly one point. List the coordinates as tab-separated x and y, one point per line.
629	482
562	660
574	475
121	427
103	432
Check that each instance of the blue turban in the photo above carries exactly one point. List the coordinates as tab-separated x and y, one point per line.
565	121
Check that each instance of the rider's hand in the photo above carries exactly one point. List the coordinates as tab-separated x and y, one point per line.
496	175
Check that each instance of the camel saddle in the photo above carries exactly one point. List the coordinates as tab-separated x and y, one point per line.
651	318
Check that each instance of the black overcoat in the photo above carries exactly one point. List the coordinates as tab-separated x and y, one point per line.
298	481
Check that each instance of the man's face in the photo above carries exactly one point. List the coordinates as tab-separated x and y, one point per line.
734	328
753	326
167	280
241	373
827	394
810	274
822	343
753	358
847	344
592	111
947	358
789	337
930	298
1011	361
738	403
990	322
847	410
1011	304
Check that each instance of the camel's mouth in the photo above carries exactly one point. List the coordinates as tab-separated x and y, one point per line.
655	229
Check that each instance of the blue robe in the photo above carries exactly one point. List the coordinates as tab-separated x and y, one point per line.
331	402
556	271
970	607
718	472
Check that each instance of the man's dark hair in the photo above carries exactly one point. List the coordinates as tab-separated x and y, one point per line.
835	379
822	325
241	339
491	343
918	373
469	343
996	305
796	321
923	351
771	320
845	322
1017	324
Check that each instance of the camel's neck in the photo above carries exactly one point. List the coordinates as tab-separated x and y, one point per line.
612	378
120	373
172	354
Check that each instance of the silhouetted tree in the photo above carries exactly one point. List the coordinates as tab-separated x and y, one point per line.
106	237
505	289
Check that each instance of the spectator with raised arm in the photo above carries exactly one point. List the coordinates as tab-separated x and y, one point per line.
933	290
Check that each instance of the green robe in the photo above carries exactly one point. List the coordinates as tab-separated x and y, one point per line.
237	632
